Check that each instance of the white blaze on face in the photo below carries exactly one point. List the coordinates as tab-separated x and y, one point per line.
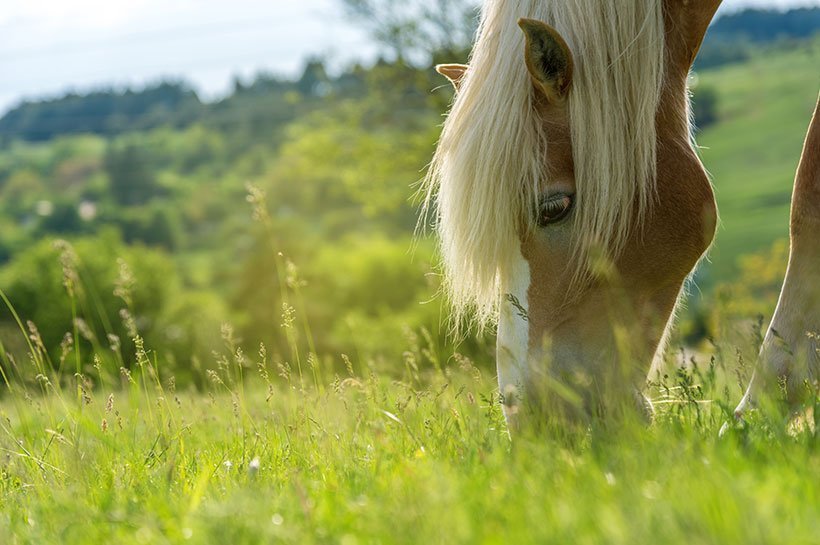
512	345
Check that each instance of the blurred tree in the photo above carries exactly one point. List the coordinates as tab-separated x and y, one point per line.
767	25
64	219
163	229
314	80
413	29
107	111
115	288
717	52
346	169
132	181
704	106
34	282
735	37
20	191
153	225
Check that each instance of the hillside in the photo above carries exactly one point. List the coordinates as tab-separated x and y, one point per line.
732	37
763	106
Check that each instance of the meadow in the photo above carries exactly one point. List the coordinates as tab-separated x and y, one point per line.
272	453
249	346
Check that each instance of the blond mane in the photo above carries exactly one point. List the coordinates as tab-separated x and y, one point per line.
483	181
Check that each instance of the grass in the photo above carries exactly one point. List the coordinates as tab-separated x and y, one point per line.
370	457
764	108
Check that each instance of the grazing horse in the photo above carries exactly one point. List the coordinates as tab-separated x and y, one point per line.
568	198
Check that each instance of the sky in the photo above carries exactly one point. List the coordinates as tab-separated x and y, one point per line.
50	46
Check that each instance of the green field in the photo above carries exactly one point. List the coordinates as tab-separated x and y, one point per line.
764	107
371	457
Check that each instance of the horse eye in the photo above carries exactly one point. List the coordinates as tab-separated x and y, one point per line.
554	208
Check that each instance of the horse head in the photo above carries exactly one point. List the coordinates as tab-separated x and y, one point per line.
570	202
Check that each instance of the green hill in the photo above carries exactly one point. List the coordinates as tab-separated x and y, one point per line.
763	108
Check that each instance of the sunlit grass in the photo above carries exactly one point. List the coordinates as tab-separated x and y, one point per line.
374	456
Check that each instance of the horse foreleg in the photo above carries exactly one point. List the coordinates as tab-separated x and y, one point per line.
790	355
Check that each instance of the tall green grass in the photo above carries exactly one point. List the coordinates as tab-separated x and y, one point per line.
371	456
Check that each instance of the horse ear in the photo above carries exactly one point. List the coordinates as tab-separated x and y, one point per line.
453	72
686	23
548	59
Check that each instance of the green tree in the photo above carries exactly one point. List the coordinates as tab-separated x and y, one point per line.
314	78
704	106
132	181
